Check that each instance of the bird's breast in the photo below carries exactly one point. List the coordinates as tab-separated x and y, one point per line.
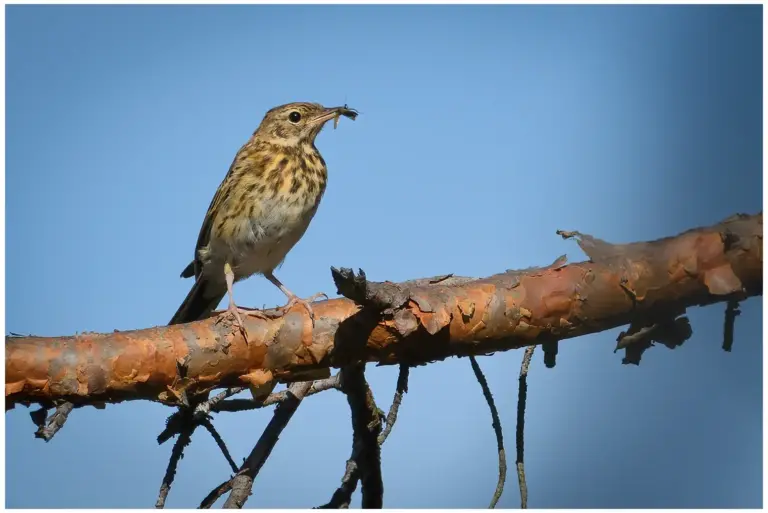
275	212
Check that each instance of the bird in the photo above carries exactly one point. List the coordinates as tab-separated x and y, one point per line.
261	209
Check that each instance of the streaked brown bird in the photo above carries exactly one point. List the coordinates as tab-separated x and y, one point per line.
261	209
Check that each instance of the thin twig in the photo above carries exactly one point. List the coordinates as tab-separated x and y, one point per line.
233	405
207	424
343	494
496	428
170	473
243	481
204	408
217	492
402	388
522	396
55	422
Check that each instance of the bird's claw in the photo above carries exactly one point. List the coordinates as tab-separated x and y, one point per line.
317	296
236	311
294	300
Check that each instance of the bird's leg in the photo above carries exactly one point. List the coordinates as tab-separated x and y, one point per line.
233	309
293	299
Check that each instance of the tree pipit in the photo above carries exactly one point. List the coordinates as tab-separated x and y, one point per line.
260	210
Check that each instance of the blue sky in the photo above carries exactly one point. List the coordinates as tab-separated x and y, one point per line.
483	130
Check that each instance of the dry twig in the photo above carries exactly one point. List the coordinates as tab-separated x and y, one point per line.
402	388
207	424
242	482
234	405
496	429
185	437
522	396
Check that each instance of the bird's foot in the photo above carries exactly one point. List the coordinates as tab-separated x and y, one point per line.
295	300
236	311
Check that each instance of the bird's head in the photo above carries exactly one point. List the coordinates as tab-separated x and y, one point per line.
296	123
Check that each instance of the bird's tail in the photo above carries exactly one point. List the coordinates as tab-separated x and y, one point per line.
201	300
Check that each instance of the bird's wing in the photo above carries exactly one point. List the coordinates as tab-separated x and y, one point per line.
205	230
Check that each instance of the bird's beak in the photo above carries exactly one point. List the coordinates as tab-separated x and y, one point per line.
334	112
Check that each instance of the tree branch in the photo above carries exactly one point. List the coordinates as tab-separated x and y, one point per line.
392	324
343	494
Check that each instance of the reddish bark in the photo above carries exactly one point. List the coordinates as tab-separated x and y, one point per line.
414	322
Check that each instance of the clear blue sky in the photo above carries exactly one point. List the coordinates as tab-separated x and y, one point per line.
483	130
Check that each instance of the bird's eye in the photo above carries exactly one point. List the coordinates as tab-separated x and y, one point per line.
294	117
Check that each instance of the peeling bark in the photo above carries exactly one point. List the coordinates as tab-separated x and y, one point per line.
412	322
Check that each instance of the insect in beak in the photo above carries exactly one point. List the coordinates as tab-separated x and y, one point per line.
335	113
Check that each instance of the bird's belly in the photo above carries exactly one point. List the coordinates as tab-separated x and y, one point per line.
262	242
